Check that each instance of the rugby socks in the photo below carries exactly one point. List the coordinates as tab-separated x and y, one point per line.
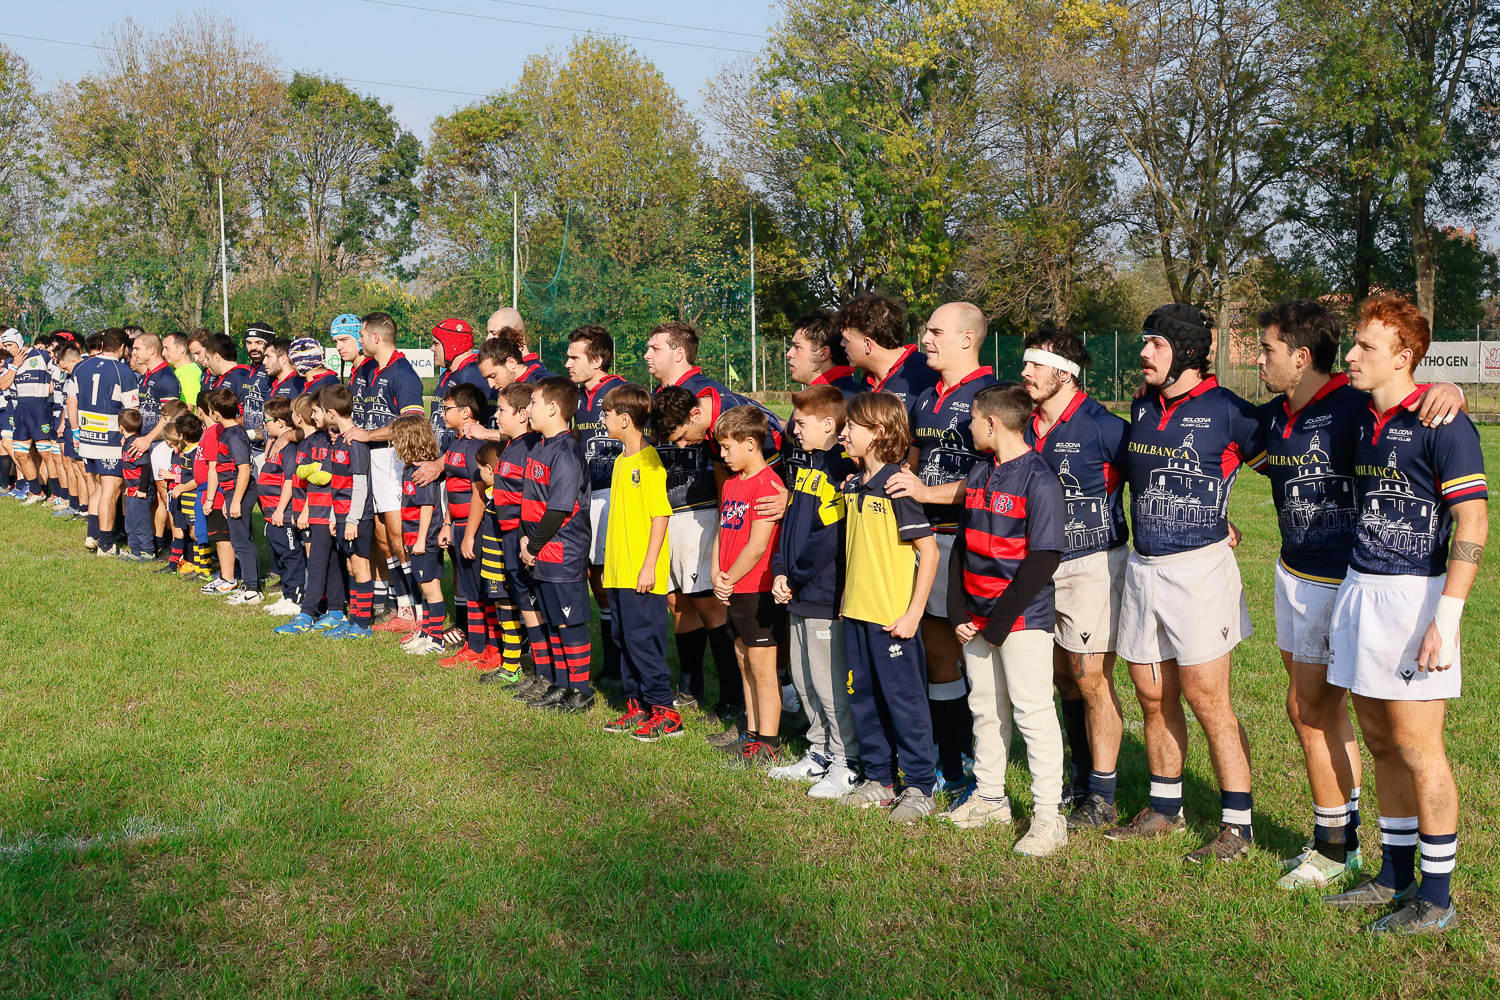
432	621
1166	795
1329	826
400	577
93	526
474	624
491	628
7	471
731	684
361	602
690	649
510	637
176	557
611	669
1351	832
1398	852
1103	785
53	488
1075	724
541	653
379	593
1439	850
952	726
1234	810
576	651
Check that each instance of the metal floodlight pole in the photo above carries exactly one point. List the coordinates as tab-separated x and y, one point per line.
223	257
754	372
515	260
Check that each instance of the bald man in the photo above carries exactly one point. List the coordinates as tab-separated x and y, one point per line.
941	457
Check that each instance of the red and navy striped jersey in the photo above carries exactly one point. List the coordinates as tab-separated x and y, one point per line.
322	381
253	403
136	472
1086	448
599	449
237	378
1183	457
391	392
1310	462
413	499
290	387
156	385
347	459
359	387
464	369
460	471
317	500
1010	509
691	484
103	387
1407	478
945	447
842	378
908	378
510	480
231	451
274	473
556	479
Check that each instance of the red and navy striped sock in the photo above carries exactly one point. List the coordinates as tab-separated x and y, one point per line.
491	628
577	653
361	602
541	653
177	546
474	623
432	621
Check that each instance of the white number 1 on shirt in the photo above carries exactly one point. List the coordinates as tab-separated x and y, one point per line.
94	396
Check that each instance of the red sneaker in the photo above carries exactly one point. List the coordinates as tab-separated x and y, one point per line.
634	717
491	660
465	657
402	621
664	722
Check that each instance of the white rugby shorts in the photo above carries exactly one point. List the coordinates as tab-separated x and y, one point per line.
937	599
1304	610
385	479
1377	629
1187	606
690	550
1088	594
599	523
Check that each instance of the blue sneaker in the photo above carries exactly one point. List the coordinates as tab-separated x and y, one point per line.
63	512
349	631
944	785
299	624
333	619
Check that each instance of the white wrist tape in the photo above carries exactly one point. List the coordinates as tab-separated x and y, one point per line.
1037	356
1449	611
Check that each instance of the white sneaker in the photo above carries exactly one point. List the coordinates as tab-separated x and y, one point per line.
34	498
245	598
811	767
411	638
423	646
1048	835
974	810
790	703
839	779
285	607
90	544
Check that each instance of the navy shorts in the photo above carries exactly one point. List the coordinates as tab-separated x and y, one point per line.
428	566
69	449
467	586
8	421
565	603
518	579
33	422
363	542
104	467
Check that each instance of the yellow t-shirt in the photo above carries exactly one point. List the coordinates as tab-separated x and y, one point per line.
637	493
881	559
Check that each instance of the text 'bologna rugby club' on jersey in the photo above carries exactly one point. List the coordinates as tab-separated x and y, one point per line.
1086	450
557	480
908	378
1183	457
1310	462
1010	509
1407	478
599	449
945	446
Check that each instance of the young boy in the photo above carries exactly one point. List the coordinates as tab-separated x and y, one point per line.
463	405
742	579
229	474
137	492
188	432
890	562
636	569
353	509
513	419
555	521
1000	593
492	574
808	570
421	530
325	577
274	484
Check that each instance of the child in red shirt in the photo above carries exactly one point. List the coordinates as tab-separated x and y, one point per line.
742	579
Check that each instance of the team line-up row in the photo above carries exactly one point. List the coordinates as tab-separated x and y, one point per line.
925	552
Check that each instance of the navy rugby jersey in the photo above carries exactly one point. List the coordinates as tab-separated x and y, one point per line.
460	472
509	478
464	370
1310	462
690	468
842	378
235	378
1086	448
413	499
156	385
33	382
945	447
275	472
290	387
322	382
599	449
908	378
535	371
810	552
390	392
359	386
557	480
1406	480
1010	509
347	459
1183	458
253	403
103	387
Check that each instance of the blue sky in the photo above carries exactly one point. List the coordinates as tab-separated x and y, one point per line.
389	42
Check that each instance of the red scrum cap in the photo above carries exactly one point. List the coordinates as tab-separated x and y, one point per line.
456	336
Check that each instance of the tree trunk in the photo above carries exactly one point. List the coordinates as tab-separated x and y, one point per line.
1423	259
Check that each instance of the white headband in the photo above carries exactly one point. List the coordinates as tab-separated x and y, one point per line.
1037	356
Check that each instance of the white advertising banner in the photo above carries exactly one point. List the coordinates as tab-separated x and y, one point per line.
420	360
1461	361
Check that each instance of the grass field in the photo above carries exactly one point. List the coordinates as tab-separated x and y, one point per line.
191	807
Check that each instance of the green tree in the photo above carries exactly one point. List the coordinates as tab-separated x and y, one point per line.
26	188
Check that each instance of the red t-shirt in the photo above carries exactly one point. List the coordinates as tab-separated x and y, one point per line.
208	445
736	515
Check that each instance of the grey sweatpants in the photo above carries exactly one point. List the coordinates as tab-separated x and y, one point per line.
816	645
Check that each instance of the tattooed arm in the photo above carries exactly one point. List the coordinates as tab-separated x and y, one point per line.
1471	526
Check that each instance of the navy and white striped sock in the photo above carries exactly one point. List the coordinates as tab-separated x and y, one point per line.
1439	850
1103	785
1234	810
1398	852
1166	795
1328	831
1351	832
